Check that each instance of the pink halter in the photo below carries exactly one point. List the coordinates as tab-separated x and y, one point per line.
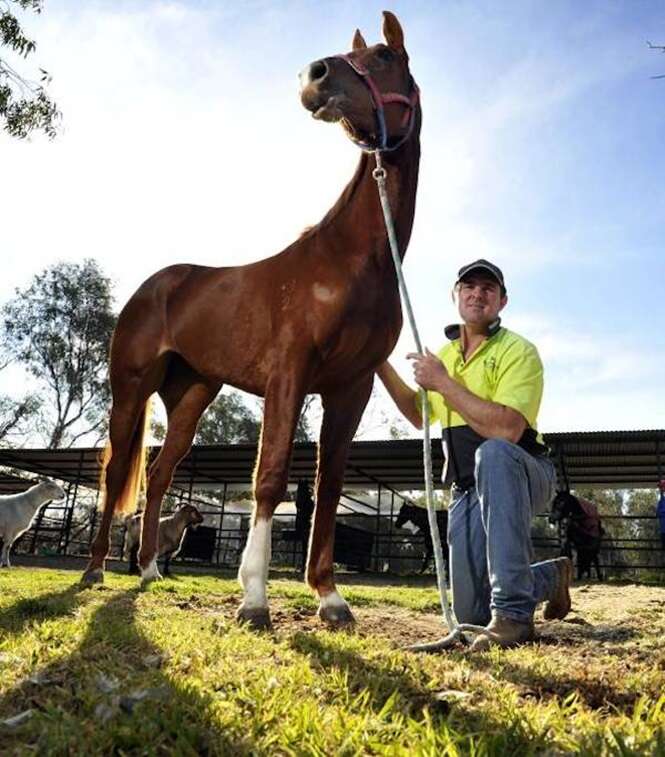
378	100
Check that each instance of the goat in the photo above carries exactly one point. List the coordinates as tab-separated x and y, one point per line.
171	535
17	511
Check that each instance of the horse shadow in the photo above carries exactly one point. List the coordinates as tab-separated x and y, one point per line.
382	682
113	678
26	610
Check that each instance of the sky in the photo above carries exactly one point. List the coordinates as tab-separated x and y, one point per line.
183	140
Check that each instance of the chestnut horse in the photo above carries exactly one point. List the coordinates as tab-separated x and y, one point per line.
318	317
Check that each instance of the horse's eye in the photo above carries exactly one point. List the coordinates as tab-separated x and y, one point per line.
384	53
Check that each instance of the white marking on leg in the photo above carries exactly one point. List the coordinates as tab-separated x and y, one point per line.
151	573
253	573
332	600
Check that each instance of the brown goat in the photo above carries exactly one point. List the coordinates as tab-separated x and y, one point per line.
171	535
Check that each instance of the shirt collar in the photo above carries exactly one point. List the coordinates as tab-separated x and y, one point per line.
453	331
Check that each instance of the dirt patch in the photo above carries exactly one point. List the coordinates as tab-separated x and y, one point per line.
605	620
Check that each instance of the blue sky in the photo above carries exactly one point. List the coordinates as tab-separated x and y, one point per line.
543	148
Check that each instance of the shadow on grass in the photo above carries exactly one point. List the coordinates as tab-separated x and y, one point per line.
380	681
471	730
590	683
27	610
110	695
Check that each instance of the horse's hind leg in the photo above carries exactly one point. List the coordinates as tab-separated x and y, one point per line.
126	414
186	395
342	412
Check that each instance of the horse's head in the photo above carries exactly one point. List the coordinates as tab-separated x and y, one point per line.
369	90
404	515
562	506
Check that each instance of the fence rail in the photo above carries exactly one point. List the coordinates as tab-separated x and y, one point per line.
68	529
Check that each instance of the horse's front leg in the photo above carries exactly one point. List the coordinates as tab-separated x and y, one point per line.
283	400
342	412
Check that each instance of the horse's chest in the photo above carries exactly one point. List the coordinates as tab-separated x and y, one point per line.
355	325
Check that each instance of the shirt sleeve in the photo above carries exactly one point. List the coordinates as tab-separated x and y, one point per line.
519	383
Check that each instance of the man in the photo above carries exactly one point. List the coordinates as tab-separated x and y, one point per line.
485	388
660	511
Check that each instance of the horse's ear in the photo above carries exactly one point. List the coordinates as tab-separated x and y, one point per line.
358	41
392	32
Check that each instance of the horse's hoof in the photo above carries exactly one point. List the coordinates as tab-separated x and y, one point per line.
337	616
92	576
257	618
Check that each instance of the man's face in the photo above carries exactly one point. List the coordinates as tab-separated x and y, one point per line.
479	299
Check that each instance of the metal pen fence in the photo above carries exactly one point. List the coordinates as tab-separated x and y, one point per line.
67	528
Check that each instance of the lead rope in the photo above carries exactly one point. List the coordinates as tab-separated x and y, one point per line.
455	629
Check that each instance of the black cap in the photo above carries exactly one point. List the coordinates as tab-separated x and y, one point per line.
481	265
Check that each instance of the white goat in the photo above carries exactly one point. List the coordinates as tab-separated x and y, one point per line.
17	511
171	534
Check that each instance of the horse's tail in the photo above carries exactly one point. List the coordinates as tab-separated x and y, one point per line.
135	480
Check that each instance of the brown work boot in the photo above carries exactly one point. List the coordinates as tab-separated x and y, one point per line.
504	632
558	605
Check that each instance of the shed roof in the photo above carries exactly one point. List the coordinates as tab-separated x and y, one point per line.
607	459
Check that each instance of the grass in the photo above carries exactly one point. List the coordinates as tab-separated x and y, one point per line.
168	671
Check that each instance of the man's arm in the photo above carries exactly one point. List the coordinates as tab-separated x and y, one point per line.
402	394
489	419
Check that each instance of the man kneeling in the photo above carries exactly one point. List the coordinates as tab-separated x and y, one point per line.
485	388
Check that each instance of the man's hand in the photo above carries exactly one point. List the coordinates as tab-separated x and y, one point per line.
428	371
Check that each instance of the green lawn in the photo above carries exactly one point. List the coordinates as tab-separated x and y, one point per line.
168	671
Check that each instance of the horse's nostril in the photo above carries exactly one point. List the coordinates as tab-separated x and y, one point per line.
318	70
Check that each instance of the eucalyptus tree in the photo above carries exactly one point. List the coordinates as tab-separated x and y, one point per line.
59	329
25	105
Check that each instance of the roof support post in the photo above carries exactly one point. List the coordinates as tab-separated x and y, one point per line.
71	502
220	531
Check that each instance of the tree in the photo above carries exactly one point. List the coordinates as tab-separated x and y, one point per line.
25	105
304	431
59	328
662	50
228	420
15	415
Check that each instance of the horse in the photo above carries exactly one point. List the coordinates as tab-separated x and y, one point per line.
317	318
17	512
418	516
581	528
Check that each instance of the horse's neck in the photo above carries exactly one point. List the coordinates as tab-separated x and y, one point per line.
357	219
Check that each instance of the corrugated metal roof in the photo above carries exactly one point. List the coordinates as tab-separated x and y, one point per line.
620	459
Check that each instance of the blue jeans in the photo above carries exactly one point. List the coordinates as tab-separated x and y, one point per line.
489	534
